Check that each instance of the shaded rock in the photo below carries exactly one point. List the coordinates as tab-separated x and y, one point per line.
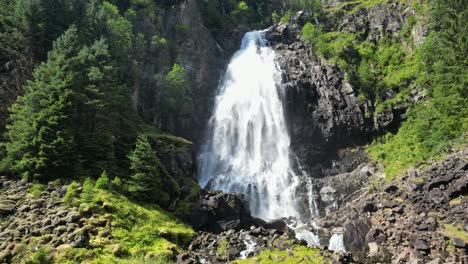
376	235
459	243
275	224
378	253
217	212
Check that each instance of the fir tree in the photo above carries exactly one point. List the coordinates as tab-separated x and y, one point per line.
40	136
146	182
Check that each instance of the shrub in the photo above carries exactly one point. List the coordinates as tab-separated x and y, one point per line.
41	256
36	189
116	184
72	192
103	181
88	193
286	17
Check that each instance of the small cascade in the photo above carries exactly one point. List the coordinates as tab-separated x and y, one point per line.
336	243
250	244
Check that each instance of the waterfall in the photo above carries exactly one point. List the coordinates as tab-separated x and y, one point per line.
336	243
247	147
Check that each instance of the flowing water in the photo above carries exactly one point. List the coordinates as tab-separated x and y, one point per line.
250	245
336	243
247	149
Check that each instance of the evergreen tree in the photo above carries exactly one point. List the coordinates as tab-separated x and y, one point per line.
146	183
40	136
45	20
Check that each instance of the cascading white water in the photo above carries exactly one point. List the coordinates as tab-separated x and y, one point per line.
250	245
336	243
248	142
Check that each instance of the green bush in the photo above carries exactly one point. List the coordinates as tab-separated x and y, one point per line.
116	184
41	256
287	17
88	194
72	193
103	181
36	190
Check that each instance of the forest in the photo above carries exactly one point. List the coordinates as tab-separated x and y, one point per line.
98	97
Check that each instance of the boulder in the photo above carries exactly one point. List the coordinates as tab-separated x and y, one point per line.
217	212
421	244
459	243
376	235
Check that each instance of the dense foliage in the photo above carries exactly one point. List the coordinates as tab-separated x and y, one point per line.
149	181
442	120
387	73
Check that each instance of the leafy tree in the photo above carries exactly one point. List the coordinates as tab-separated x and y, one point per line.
243	12
441	121
174	99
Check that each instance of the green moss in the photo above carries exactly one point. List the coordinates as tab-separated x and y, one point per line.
222	248
453	231
299	254
142	233
455	201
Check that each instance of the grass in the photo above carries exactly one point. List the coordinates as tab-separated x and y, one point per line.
222	248
455	201
140	233
352	7
453	231
299	254
36	190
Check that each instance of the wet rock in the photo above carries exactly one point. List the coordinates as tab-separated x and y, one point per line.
232	253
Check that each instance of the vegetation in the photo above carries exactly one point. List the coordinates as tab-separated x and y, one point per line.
36	189
299	254
140	231
146	181
455	231
439	122
387	67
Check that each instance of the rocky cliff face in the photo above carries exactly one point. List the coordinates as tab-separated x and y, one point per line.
327	120
203	53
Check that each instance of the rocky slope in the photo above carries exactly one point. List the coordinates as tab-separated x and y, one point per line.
420	218
70	221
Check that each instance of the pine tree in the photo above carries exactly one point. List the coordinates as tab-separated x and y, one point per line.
146	183
40	136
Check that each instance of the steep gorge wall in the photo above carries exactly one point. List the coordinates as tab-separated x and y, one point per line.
328	122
